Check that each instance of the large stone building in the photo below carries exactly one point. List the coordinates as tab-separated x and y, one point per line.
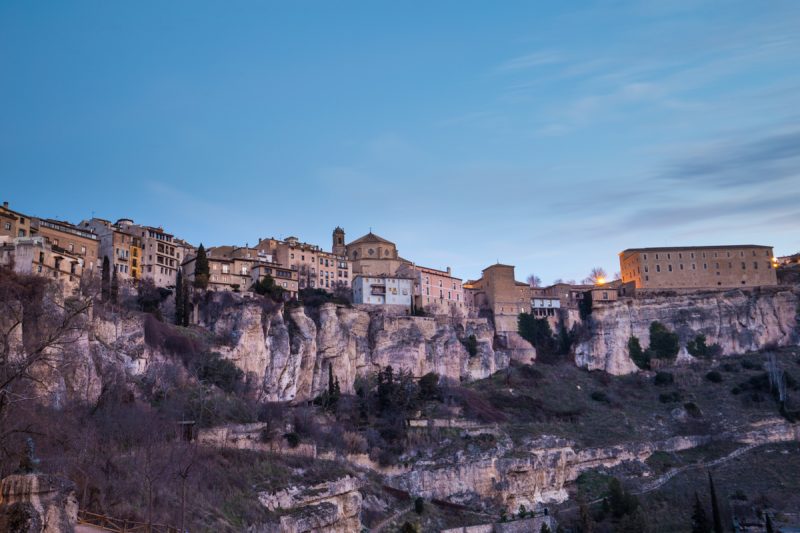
162	253
698	267
435	291
316	268
14	224
72	240
122	246
498	292
374	256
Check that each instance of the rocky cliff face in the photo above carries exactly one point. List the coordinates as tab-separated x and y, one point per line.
329	507
37	503
538	473
737	320
291	353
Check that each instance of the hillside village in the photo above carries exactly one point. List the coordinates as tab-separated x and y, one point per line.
367	270
354	389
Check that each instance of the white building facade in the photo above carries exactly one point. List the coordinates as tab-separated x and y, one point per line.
382	290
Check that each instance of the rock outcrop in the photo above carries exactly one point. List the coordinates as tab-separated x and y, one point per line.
37	503
330	507
737	320
292	350
508	477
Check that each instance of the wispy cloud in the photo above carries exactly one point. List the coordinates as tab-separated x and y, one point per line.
768	158
536	59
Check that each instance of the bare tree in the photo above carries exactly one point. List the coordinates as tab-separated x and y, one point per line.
37	326
534	280
596	276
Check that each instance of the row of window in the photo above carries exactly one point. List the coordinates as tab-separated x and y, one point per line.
705	266
716	254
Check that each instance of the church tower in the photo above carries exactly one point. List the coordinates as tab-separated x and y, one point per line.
338	242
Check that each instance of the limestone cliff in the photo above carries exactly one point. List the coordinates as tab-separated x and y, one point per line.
37	503
330	507
737	320
539	472
290	352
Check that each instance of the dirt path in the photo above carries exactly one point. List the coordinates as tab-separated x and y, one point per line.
663	479
388	520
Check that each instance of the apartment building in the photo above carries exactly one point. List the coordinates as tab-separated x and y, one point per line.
161	253
315	267
698	267
64	237
120	244
33	255
285	278
14	224
383	290
436	291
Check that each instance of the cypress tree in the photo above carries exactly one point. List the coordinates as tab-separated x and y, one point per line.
187	305
201	271
714	506
114	287
699	519
179	299
770	529
105	280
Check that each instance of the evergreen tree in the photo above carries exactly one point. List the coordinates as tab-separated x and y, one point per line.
201	271
637	355
179	299
105	280
585	515
700	522
545	528
717	517
770	529
114	292
663	342
187	305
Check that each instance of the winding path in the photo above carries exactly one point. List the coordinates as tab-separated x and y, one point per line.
661	480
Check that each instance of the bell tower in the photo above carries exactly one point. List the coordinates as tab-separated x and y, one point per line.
338	242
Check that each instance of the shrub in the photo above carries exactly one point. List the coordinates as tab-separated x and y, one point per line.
637	355
292	438
621	501
747	364
429	387
471	344
419	505
697	346
663	343
537	331
664	378
600	396
211	368
714	377
669	397
693	410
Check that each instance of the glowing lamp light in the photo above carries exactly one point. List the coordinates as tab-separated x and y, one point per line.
601	281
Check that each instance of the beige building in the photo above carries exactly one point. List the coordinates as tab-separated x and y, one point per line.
33	255
569	295
435	291
14	224
120	244
497	291
285	278
67	238
372	255
161	253
315	267
699	267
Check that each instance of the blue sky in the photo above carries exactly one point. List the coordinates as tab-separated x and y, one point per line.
546	135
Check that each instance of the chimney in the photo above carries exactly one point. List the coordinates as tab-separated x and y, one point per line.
5	204
449	272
